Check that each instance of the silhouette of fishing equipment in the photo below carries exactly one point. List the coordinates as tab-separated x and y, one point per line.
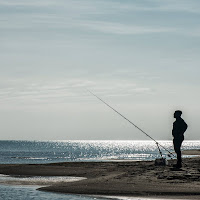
162	160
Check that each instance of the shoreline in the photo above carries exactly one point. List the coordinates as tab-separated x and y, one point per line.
127	178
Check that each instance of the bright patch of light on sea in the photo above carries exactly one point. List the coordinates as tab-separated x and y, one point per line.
33	152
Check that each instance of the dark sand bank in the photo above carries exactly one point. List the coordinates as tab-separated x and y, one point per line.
191	152
140	178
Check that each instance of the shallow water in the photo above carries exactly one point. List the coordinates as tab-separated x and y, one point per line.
30	193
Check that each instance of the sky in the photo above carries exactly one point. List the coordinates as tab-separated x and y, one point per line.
140	56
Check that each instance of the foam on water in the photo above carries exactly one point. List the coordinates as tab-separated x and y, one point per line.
36	180
136	198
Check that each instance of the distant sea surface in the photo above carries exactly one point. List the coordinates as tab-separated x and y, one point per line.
35	152
21	152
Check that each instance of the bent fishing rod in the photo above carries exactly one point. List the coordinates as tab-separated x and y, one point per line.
158	144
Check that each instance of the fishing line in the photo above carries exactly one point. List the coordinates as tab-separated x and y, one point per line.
158	144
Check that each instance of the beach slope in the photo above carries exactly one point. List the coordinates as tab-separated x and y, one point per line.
127	178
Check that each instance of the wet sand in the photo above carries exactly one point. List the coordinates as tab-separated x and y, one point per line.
191	152
127	178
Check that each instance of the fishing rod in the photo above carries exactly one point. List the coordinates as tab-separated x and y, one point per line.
158	144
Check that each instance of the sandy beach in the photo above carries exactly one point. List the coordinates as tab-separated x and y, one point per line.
119	178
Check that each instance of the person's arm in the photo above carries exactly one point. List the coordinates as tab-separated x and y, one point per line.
185	126
173	130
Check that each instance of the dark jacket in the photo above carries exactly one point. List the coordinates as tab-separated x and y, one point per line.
179	127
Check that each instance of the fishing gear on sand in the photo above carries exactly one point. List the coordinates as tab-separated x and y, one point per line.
163	160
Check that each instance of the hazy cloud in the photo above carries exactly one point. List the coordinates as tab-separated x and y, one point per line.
122	29
76	88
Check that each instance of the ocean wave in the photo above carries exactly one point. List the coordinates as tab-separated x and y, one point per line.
30	158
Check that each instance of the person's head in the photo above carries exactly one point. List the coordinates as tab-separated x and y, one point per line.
177	114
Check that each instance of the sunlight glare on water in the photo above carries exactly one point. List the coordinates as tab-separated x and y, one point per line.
83	150
34	152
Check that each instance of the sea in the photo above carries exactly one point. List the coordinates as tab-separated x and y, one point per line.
35	152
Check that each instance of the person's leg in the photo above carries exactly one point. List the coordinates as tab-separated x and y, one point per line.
177	148
179	159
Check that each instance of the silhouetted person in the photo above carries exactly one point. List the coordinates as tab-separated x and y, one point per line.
179	127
